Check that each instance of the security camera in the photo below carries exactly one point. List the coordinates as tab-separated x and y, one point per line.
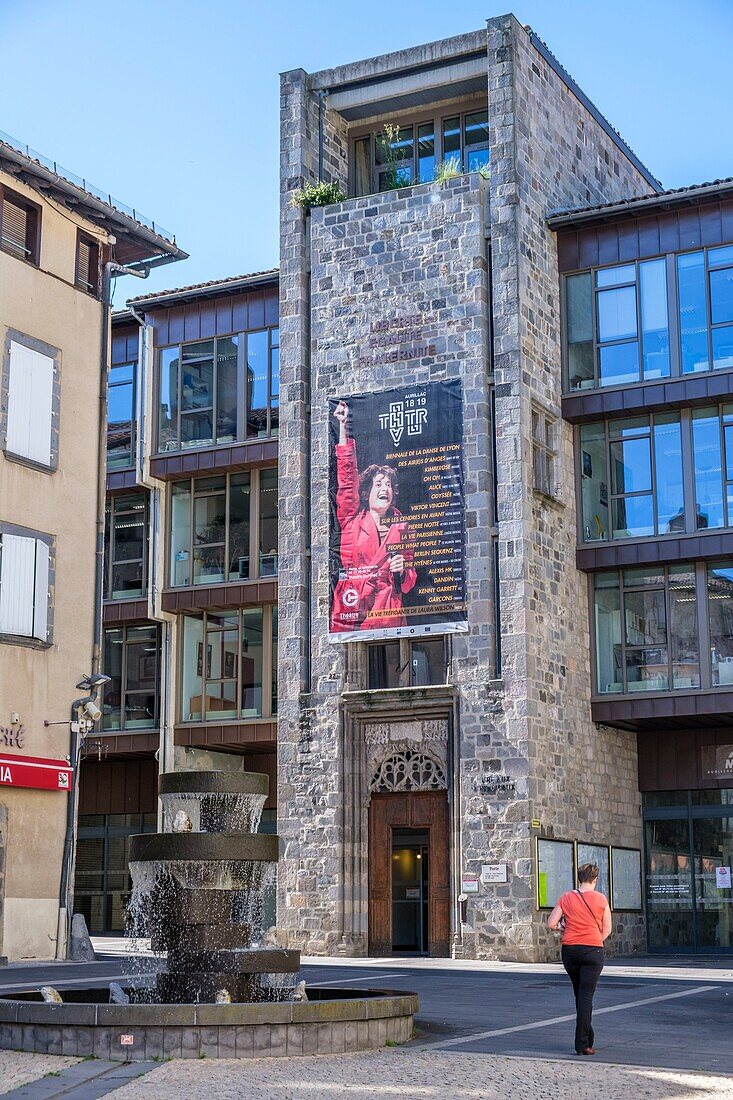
91	710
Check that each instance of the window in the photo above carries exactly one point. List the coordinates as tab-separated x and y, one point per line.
87	264
544	453
646	630
25	572
121	416
720	622
31	391
411	153
416	662
102	884
218	391
126	546
227	658
712	441
617	319
224	529
130	699
617	325
630	478
20	226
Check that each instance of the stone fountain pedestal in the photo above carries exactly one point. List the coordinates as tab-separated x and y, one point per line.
197	891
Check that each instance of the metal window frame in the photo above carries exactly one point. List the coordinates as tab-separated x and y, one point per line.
254	475
269	666
112	385
110	543
176	446
413	119
699	571
123	629
673	318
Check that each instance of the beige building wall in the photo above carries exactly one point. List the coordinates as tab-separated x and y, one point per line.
39	682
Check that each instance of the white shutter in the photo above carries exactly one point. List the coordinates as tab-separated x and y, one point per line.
40	600
30	399
17	584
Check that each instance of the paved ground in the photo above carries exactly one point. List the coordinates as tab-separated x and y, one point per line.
663	1030
17	1067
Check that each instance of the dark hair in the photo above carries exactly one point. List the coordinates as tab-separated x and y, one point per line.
588	872
366	480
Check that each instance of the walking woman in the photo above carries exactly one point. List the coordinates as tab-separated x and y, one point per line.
585	918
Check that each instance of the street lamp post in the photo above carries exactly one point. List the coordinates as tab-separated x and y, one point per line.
84	713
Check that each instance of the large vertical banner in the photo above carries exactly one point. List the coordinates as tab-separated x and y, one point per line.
396	536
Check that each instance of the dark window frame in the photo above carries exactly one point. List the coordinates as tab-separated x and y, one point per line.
268	686
545	452
405	670
113	384
255	555
242	434
110	561
33	212
671	260
415	120
125	630
700	569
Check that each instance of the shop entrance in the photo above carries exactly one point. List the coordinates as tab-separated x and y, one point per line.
409	874
689	857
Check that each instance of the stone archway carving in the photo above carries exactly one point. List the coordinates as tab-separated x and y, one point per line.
408	771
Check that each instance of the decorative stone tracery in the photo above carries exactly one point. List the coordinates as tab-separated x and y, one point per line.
408	771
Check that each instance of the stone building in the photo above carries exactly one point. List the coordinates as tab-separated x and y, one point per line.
478	764
61	242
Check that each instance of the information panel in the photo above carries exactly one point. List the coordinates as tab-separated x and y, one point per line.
626	878
397	532
598	854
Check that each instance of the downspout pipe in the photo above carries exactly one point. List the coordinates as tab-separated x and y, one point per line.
111	269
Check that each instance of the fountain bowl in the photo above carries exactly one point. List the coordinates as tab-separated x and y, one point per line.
331	1021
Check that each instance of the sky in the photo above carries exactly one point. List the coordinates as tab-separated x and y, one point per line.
172	105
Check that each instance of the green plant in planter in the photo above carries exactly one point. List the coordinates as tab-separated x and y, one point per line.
448	170
387	140
318	194
485	172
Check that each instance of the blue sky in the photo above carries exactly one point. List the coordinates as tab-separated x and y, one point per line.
172	105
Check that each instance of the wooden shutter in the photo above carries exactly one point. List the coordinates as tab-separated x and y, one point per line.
15	229
30	402
40	596
17	585
83	264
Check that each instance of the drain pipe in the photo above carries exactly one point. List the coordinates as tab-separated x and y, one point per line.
164	754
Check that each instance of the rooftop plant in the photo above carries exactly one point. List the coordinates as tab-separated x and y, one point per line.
318	194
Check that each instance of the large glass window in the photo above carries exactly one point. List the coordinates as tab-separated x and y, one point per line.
417	662
102	885
399	155
617	319
213	523
712	437
130	699
720	621
126	546
646	630
630	476
227	658
121	416
218	391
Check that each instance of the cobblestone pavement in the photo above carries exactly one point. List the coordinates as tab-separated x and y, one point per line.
415	1075
18	1068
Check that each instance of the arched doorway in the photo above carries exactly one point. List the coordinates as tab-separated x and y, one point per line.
409	857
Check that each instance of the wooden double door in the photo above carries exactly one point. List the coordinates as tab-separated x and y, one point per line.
393	818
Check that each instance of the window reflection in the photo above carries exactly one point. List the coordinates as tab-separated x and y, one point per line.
120	416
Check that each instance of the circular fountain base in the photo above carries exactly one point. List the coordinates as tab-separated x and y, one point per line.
85	1025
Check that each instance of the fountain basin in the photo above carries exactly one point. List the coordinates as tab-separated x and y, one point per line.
330	1022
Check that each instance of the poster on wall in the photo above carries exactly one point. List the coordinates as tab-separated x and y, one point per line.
397	513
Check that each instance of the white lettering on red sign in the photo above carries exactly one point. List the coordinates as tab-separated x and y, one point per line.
5	776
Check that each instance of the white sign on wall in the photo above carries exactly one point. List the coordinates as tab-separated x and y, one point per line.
494	872
722	878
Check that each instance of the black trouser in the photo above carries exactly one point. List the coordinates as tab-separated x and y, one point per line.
583	965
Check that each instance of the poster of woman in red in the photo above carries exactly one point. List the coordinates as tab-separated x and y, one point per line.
396	536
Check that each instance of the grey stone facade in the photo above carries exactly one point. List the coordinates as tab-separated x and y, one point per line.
475	259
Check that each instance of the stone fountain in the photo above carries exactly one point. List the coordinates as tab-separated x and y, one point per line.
218	989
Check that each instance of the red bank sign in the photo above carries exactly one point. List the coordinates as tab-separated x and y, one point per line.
35	771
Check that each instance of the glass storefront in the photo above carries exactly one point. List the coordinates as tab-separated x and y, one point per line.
689	855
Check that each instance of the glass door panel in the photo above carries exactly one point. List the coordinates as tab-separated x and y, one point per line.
669	897
713	858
